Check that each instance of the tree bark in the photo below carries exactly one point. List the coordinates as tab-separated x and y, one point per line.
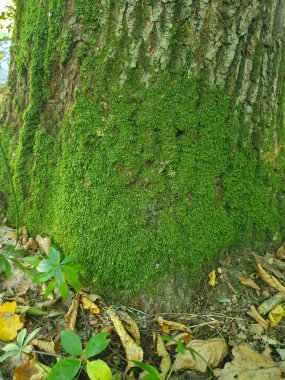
148	135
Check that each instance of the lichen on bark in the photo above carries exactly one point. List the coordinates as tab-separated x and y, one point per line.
150	134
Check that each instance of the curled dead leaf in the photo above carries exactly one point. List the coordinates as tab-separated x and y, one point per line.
131	326
170	325
213	351
276	315
249	283
31	371
165	363
31	245
88	304
44	345
280	254
249	365
71	315
258	318
132	349
270	280
44	243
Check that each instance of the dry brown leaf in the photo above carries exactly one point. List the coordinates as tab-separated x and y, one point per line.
31	245
71	315
165	363
249	283
89	305
20	282
131	326
249	365
213	351
170	325
132	350
280	254
31	371
44	243
258	318
183	337
44	345
270	280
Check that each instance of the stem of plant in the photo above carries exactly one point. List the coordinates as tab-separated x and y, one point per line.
9	175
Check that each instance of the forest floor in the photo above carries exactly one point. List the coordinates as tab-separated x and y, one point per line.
233	329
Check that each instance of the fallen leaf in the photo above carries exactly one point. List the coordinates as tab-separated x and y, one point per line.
213	351
270	280
183	337
44	243
170	325
212	277
249	365
44	345
9	321
165	363
258	318
131	326
20	282
249	283
71	315
89	305
276	315
31	371
31	245
132	349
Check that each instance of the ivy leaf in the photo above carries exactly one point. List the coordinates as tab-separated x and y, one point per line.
71	342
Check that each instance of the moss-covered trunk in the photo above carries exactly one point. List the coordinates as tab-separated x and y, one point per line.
148	135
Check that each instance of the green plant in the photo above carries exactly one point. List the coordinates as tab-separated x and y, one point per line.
21	346
71	367
61	269
7	255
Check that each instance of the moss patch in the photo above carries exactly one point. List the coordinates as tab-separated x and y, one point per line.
140	182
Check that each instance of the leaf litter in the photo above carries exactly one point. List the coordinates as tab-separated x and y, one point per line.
235	332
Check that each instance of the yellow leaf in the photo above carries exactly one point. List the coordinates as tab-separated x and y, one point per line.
9	321
89	305
276	315
131	327
98	370
170	325
163	354
44	345
212	277
249	283
264	323
31	371
132	349
213	351
270	280
71	315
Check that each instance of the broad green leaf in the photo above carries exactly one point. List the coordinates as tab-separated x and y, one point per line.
50	288
97	344
32	335
61	283
45	266
98	370
8	355
34	261
10	347
71	342
21	337
68	259
54	256
71	277
12	251
65	369
149	368
43	277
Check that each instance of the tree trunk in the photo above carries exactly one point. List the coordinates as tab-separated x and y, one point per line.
148	135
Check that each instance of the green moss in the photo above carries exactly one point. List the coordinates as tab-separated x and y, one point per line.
140	182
